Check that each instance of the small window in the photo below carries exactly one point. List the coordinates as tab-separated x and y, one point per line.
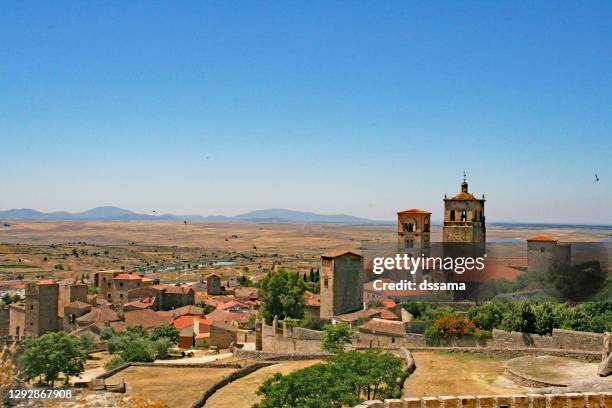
325	282
120	284
452	215
463	215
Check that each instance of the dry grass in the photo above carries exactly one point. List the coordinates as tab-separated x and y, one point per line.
175	387
458	374
242	393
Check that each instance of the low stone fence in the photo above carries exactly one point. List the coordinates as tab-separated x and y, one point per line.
559	339
273	356
574	400
228	379
212	364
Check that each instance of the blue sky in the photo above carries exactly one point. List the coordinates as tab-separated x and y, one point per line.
362	108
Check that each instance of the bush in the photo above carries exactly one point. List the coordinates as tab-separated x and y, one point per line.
138	350
161	347
486	317
168	332
106	333
114	363
335	336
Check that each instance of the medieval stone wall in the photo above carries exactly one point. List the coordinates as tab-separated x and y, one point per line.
573	400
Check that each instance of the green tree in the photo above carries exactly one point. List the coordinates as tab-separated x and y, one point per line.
282	294
52	354
335	336
487	316
161	347
138	349
344	380
169	332
88	342
106	333
576	283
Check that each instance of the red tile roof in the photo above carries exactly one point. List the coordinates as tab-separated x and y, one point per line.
542	238
380	326
183	321
334	253
414	211
127	276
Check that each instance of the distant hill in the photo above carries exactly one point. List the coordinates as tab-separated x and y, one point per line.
109	213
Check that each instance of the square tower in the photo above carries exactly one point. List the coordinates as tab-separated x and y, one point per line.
464	219
341	283
413	229
41	300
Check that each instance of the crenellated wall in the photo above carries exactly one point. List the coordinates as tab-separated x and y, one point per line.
574	400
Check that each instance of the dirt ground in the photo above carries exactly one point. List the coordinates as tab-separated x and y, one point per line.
556	369
175	387
440	373
242	393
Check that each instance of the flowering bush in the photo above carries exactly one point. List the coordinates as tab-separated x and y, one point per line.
453	326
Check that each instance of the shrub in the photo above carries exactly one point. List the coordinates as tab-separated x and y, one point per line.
486	317
161	347
335	336
114	363
168	332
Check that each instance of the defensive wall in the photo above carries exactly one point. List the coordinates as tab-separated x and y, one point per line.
573	400
287	340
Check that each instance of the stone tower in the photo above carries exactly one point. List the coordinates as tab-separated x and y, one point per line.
544	251
41	300
413	229
464	219
341	283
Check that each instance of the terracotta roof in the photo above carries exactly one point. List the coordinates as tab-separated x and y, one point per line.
178	289
388	315
202	335
228	317
188	310
354	316
212	275
334	253
146	318
414	211
542	238
231	304
463	196
380	326
389	304
78	304
99	314
183	321
225	326
127	276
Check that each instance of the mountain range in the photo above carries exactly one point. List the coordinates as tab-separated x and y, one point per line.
109	213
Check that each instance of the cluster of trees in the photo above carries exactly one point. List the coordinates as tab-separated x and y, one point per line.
282	294
573	283
344	380
53	354
135	345
541	317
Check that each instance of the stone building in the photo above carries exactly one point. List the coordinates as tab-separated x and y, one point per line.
544	251
464	218
114	285
413	229
41	313
213	284
342	279
73	311
73	292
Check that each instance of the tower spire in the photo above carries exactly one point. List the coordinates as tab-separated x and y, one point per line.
464	185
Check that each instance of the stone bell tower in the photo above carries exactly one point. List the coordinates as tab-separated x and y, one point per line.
464	219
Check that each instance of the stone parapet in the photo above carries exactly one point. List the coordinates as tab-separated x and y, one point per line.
573	400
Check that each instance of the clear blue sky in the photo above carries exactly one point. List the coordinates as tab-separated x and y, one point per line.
362	108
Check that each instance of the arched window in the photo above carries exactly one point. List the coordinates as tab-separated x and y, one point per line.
463	215
452	215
